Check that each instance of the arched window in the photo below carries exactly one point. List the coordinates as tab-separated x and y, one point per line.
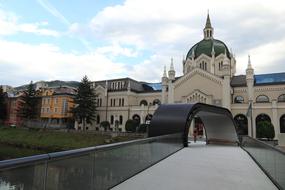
123	102
260	118
143	102
262	99
137	118
112	119
121	119
241	124
282	124
156	101
238	100
281	98
98	119
148	118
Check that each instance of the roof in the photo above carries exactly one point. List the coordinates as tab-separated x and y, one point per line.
271	78
135	86
238	81
205	47
260	79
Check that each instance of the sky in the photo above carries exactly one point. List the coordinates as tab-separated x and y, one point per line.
106	39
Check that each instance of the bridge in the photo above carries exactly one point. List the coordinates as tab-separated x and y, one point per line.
164	160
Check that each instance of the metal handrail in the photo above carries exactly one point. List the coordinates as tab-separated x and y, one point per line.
20	162
265	144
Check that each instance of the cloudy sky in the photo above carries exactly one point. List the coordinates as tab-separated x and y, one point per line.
104	39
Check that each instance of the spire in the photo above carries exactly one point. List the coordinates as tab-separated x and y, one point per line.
171	65
164	72
208	21
249	62
208	30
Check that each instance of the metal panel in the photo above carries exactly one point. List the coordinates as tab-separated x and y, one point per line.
174	118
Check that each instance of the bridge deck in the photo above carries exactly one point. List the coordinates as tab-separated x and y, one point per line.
202	167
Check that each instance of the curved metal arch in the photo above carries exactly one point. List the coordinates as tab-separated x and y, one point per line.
176	118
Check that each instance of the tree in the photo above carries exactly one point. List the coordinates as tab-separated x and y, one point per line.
85	103
105	125
3	110
265	129
28	103
143	128
131	125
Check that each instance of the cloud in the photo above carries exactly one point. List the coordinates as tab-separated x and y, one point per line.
48	62
10	25
170	28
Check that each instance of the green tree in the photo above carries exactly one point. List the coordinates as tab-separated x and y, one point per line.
131	125
265	129
85	103
105	125
3	109
28	103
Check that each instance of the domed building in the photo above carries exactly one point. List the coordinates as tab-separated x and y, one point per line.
208	77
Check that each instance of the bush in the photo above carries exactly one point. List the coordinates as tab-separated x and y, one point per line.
265	129
131	125
143	128
105	125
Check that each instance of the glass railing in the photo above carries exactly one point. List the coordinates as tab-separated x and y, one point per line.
100	167
270	159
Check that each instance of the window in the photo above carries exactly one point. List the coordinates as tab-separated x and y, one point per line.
55	101
262	99
242	124
112	119
121	119
143	102
281	98
98	119
55	110
114	102
156	101
203	65
238	100
220	65
123	102
120	101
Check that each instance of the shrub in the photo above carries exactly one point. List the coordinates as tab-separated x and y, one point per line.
265	129
131	125
105	125
143	128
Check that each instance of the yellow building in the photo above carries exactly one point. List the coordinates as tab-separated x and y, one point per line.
56	106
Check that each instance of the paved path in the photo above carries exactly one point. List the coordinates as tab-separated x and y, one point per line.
202	167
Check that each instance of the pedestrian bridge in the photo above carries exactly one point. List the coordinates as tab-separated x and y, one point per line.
162	161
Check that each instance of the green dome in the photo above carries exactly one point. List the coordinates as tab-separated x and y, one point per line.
205	47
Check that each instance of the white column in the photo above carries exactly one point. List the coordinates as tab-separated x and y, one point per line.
226	92
275	119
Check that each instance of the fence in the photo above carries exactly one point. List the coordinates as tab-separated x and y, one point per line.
270	159
100	167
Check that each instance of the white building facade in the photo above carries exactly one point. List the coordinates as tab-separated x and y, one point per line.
208	77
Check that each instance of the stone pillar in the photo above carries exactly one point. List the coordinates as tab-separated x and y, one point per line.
227	92
275	120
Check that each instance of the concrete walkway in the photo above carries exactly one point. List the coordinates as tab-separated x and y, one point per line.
202	167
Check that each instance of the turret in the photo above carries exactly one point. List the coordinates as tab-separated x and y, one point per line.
171	72
249	79
164	82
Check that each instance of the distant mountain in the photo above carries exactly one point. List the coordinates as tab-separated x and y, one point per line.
55	83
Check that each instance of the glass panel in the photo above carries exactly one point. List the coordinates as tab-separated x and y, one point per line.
24	178
70	173
101	168
269	158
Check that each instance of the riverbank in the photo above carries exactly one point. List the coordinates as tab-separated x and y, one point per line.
18	142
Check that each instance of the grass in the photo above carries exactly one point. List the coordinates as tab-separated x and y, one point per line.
48	141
